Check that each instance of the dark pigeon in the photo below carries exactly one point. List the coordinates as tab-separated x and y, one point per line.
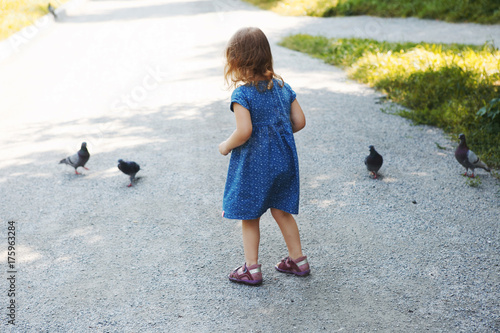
52	10
79	159
373	161
467	158
129	168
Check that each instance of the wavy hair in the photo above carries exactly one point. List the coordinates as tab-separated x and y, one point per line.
249	59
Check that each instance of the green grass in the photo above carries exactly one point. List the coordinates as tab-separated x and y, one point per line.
17	14
451	86
479	11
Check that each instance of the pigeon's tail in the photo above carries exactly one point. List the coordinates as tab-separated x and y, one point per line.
482	165
64	160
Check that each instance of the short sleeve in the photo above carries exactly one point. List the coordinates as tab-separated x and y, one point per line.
292	93
239	96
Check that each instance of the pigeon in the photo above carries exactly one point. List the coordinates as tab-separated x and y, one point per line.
52	10
79	159
373	161
129	168
467	158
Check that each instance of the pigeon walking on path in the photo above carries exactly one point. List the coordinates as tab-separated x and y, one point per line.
373	161
52	10
129	168
467	158
79	159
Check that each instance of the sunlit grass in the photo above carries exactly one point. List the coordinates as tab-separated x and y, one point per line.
441	85
17	14
479	11
296	7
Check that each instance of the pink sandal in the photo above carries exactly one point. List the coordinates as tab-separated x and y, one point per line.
299	266
248	275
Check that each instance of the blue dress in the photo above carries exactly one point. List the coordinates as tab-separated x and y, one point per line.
263	172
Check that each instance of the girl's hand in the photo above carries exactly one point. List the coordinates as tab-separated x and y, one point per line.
223	148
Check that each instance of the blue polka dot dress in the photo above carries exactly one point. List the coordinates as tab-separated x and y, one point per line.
263	172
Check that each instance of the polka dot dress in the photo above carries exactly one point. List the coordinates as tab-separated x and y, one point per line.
263	172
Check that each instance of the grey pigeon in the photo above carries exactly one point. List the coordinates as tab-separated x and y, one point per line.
79	159
129	168
373	161
52	10
467	158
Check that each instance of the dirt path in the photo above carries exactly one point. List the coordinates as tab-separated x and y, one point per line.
417	250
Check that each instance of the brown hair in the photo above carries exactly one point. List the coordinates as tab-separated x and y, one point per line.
249	59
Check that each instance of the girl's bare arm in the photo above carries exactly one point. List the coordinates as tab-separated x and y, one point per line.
242	132
297	117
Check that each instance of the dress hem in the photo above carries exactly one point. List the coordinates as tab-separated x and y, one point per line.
253	218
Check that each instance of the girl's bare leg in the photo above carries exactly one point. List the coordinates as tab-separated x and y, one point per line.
290	232
251	240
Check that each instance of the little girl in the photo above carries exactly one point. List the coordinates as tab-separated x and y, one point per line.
263	171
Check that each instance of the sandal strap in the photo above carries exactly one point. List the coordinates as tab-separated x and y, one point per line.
302	262
255	270
294	265
246	273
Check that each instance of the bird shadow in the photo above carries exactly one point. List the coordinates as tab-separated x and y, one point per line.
71	175
137	180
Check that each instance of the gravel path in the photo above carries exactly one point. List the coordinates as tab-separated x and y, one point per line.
416	250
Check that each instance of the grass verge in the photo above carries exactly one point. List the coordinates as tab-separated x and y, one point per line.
479	11
17	14
451	86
